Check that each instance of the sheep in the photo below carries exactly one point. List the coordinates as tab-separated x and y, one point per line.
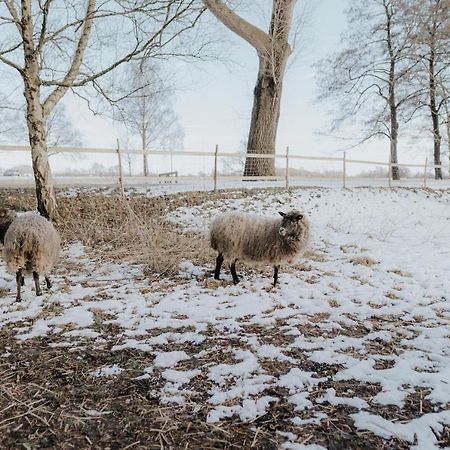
31	246
257	239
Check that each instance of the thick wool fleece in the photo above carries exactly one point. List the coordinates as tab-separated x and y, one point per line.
31	244
253	238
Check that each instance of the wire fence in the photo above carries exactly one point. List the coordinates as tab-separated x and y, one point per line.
194	170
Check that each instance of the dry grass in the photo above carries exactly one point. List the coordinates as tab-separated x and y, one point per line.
131	230
363	261
126	229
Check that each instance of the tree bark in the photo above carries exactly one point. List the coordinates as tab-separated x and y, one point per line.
45	195
393	125
435	119
144	144
393	138
264	122
273	50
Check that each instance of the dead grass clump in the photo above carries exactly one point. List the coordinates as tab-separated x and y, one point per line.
130	230
363	261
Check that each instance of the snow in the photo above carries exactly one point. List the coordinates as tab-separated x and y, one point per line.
169	359
335	319
107	371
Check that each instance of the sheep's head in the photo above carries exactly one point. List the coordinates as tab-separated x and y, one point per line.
292	225
6	218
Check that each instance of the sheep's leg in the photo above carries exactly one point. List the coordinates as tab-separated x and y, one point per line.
275	275
23	280
19	282
233	272
36	283
49	283
219	262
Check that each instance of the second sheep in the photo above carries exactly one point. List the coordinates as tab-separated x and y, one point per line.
237	236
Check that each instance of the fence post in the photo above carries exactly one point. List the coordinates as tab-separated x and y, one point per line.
344	170
425	173
122	192
215	167
287	167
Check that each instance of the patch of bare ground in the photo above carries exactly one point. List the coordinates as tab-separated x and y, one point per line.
50	400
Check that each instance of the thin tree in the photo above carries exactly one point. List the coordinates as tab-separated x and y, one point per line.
148	111
273	50
369	80
432	18
48	44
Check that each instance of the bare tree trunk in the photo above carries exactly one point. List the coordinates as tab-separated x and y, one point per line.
145	162
392	88
393	156
45	195
435	119
447	127
264	122
393	133
46	200
273	50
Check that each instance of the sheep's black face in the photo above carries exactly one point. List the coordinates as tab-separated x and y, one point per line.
291	223
6	218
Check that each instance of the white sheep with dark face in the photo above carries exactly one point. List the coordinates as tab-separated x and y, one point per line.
31	246
238	236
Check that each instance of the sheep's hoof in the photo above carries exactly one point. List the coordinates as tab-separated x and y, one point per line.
38	293
18	299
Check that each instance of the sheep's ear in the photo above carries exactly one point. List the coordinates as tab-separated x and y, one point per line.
282	214
299	217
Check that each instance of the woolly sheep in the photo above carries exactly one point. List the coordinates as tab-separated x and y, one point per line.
257	239
31	246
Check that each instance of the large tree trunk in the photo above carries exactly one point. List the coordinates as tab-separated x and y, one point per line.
435	119
264	122
46	200
45	195
273	50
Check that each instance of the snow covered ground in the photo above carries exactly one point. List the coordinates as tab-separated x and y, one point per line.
360	326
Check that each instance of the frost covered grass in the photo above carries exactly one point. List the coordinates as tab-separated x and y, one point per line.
351	350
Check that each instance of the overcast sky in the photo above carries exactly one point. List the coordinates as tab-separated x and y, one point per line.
215	103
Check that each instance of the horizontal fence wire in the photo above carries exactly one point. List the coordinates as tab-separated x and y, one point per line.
219	166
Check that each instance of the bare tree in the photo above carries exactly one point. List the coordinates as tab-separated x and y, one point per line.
273	50
432	38
148	111
48	45
369	80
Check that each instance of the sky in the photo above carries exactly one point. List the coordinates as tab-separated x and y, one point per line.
215	100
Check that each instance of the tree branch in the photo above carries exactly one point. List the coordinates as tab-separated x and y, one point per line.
59	91
252	34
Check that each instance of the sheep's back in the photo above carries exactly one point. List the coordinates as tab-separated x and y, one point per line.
244	236
31	244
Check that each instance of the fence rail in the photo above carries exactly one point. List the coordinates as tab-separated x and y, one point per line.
215	174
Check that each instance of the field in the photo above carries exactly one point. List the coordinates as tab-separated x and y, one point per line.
137	347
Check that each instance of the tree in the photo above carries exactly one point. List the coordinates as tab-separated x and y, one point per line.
148	111
48	45
369	79
273	50
432	38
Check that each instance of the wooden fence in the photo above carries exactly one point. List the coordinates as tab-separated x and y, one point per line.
216	176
